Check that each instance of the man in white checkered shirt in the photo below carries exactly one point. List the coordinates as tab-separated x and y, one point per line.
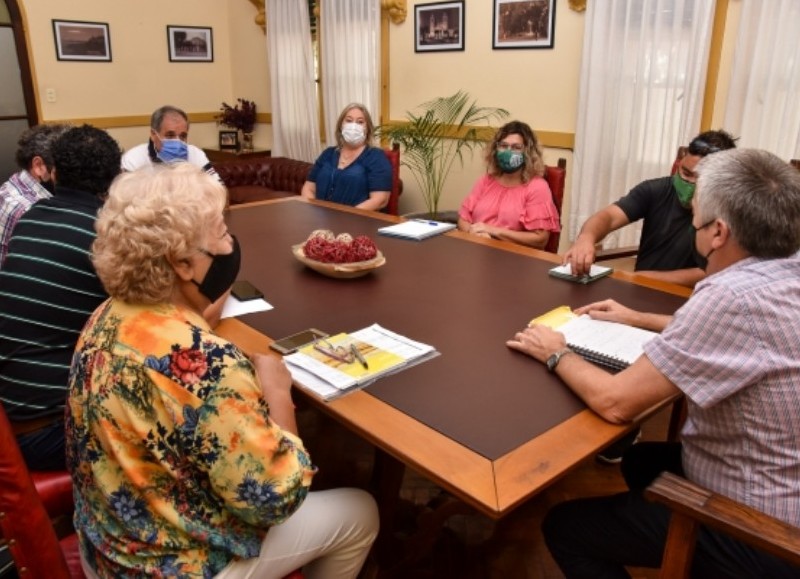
733	351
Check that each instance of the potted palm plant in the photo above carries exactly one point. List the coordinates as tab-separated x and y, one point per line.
436	138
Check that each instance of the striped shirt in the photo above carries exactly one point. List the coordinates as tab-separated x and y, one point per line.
733	349
16	196
48	289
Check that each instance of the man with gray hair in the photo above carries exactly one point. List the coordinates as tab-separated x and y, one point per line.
33	182
169	131
732	351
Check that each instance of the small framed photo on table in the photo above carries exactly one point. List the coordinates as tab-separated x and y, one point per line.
190	44
523	23
439	26
229	140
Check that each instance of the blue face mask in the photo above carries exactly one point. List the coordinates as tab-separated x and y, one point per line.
173	150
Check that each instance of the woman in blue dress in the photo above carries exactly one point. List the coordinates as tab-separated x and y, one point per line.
354	172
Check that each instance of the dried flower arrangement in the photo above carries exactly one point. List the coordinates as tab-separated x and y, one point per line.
241	116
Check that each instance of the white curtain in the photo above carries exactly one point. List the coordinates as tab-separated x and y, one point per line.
641	91
295	125
763	106
350	35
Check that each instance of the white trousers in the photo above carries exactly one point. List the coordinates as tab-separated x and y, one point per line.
329	536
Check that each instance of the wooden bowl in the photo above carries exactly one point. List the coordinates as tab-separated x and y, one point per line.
339	270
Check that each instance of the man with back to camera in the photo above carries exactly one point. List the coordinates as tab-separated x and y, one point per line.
169	131
34	180
665	251
732	351
49	289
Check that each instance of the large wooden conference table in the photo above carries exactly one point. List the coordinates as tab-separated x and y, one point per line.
488	424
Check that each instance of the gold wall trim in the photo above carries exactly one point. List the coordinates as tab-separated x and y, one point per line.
550	139
714	59
144	120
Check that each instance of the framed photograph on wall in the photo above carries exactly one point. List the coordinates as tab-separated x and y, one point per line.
524	23
229	140
190	44
439	26
85	41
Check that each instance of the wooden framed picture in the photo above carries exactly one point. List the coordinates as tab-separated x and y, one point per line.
524	23
229	140
190	44
439	26
83	41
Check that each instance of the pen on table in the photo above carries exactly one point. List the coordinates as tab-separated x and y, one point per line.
426	221
359	356
330	354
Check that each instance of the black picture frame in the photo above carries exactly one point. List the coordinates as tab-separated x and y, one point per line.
523	24
82	41
190	43
229	140
439	26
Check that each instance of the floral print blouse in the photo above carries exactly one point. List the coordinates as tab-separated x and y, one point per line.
177	468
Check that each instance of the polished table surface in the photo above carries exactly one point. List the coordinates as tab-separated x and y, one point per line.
486	423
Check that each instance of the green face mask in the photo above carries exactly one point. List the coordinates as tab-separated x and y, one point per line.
684	188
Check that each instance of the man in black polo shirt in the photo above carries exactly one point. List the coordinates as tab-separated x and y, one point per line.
666	248
48	288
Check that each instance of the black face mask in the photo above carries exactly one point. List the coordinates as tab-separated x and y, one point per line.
699	258
222	273
49	186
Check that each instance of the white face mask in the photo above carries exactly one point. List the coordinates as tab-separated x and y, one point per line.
353	133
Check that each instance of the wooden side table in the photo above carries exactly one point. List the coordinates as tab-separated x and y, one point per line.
222	155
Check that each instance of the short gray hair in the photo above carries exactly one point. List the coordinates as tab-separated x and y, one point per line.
757	194
37	141
158	116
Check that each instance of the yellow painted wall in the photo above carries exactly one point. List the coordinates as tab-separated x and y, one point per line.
537	86
140	77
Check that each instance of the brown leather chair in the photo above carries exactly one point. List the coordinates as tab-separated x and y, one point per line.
556	178
693	506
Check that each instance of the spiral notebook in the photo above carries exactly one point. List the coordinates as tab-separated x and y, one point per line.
610	344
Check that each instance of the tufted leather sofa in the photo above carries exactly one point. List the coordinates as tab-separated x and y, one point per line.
262	178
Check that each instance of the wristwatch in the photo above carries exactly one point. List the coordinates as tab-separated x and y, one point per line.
553	360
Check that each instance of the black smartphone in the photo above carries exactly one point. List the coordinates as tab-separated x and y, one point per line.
243	291
291	344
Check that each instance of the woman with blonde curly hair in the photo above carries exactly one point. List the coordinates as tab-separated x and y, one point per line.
183	451
512	201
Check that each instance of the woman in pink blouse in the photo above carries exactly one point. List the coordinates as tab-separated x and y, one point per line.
512	201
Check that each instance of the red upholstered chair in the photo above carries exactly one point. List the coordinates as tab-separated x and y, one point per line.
25	516
556	178
393	155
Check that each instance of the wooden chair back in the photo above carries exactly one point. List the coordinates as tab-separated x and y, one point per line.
693	506
556	178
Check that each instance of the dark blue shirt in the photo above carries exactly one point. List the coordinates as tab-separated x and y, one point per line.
371	171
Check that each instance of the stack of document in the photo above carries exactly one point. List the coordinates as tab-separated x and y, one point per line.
342	363
416	229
